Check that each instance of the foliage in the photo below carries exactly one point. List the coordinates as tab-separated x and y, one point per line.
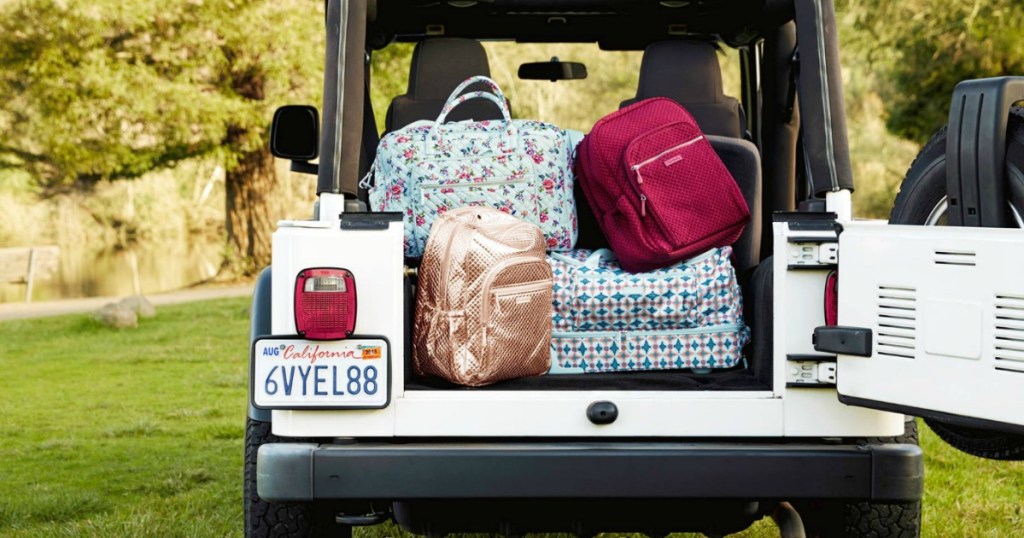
923	48
112	89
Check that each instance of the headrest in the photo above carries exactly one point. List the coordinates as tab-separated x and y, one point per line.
686	71
440	64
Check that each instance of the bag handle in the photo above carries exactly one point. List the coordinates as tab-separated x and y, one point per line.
599	255
509	142
593	261
495	96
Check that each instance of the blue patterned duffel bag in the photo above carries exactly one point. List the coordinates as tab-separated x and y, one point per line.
520	167
688	315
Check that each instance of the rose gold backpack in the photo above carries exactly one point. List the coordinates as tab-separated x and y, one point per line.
483	306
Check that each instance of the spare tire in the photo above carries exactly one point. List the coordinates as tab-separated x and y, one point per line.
922	201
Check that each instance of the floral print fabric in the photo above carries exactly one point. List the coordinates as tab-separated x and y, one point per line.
520	167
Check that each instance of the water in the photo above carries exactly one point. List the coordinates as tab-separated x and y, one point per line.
147	269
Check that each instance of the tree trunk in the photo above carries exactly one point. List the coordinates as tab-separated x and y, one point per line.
249	196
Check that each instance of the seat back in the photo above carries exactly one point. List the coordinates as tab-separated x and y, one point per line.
438	66
689	73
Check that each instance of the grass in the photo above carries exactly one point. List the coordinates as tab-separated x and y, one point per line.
139	433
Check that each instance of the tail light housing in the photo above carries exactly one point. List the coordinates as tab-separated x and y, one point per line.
832	299
325	303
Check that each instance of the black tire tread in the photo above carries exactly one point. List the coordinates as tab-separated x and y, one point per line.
993	446
263	519
867	520
828	519
883	520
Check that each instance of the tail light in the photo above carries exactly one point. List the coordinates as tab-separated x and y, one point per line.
832	298
325	303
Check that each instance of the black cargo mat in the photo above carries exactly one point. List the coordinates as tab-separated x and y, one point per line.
678	380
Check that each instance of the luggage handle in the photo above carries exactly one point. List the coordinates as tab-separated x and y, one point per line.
456	98
593	261
495	96
599	255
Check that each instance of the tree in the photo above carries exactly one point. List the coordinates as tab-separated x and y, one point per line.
923	48
111	89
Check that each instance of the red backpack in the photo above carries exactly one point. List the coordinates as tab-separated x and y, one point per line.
656	186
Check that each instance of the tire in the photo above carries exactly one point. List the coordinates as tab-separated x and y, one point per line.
980	443
924	186
280	520
921	192
828	519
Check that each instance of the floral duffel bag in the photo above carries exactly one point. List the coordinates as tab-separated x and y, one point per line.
604	319
520	167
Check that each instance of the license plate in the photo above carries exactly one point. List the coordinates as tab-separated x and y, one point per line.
292	373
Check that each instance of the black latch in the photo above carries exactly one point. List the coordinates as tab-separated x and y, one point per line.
602	412
843	340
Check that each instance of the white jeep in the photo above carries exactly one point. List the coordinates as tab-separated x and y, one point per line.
815	431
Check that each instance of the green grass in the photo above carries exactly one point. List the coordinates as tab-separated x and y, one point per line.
139	433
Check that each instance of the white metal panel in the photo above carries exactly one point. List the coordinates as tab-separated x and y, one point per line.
564	414
946	306
798	309
375	259
818	413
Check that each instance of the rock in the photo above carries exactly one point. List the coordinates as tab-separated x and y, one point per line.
117	315
140	305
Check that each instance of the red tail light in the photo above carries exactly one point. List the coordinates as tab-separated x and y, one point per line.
325	303
832	298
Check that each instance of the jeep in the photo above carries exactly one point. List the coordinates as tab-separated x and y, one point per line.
857	326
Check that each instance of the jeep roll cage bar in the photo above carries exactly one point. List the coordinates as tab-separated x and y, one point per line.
781	82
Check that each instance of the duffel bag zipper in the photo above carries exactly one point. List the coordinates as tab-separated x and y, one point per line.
432	186
725	328
640	178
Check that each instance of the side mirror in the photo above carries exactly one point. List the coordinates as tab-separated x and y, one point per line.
295	135
553	70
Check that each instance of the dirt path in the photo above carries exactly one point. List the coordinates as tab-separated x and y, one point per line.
9	311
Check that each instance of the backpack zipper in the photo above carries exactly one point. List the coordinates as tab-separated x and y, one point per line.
526	289
640	179
493	274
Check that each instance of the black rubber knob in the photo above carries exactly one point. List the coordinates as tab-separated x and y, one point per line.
602	412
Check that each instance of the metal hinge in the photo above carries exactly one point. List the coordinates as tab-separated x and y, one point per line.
813	254
811	371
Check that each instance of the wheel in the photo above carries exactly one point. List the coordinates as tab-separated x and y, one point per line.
922	201
980	443
828	519
280	520
922	197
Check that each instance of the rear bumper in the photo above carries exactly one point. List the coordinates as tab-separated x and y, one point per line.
648	470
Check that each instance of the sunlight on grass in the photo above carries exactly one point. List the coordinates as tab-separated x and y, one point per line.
140	433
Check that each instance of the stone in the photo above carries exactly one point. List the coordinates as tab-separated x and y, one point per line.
117	315
140	305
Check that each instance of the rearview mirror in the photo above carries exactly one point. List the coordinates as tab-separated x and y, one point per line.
295	133
553	70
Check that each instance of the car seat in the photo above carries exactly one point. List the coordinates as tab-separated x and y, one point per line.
689	73
438	66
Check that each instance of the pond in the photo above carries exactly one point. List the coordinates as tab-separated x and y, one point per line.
147	269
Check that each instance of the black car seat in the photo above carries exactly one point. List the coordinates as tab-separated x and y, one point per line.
689	72
438	66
